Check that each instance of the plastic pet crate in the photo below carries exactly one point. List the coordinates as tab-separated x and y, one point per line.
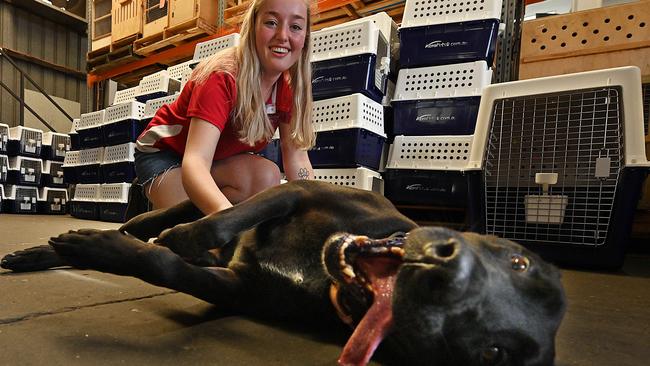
152	106
74	136
70	164
25	171
157	85
437	32
563	160
53	174
24	141
114	199
19	199
85	202
350	59
55	145
4	137
52	201
360	178
349	111
348	148
123	123
429	170
126	95
177	71
4	168
90	129
89	169
118	164
206	49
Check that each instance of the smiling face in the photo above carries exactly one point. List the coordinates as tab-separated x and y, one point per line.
280	32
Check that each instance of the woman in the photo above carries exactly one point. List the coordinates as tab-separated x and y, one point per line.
200	147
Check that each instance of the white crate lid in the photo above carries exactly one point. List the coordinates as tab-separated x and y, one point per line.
152	105
21	132
208	48
419	13
448	81
430	152
361	178
350	111
91	156
16	162
386	25
354	39
629	78
4	128
114	192
86	192
49	136
10	191
92	119
124	111
75	125
126	95
119	153
157	82
72	158
176	72
44	192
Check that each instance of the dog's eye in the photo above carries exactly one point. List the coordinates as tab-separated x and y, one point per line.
492	355
519	263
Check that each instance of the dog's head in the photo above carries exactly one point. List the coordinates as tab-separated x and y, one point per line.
445	298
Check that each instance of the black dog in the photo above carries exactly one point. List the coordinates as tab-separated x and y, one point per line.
313	251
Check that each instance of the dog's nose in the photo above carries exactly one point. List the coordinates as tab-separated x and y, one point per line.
434	245
442	249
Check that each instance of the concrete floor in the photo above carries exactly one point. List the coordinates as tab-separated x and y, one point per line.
72	317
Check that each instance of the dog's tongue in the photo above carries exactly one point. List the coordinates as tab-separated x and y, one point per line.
372	329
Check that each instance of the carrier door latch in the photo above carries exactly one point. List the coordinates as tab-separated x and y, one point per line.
603	166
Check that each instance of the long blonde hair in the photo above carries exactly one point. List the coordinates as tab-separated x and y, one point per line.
243	64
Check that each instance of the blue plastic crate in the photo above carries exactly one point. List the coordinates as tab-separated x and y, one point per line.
121	132
348	75
441	188
88	174
112	211
347	148
121	172
155	95
90	138
448	116
451	43
84	210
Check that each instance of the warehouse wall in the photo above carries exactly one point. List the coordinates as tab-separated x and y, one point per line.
33	35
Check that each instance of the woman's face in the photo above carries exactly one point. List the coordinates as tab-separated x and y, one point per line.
280	31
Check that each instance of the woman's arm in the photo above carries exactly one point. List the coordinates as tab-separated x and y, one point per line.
202	140
295	161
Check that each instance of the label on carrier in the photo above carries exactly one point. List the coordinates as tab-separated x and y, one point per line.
545	209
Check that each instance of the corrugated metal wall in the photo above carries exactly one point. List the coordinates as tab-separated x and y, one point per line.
43	39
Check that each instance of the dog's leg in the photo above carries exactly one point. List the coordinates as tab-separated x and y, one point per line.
216	230
151	224
37	258
114	252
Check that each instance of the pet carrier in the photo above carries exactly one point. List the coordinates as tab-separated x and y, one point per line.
25	171
19	199
360	178
74	136
123	123
113	200
118	165
206	49
157	85
350	59
54	146
52	174
177	71
90	129
126	95
24	141
562	161
89	169
4	137
85	201
4	168
152	106
70	164
52	201
439	100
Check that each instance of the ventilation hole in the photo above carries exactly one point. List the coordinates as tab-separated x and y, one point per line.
564	27
544	30
642	24
618	28
574	34
629	35
553	37
563	44
630	17
596	31
606	38
584	41
585	24
607	20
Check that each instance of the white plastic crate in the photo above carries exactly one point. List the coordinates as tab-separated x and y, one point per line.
4	136
430	152
114	193
56	143
176	72
159	82
208	48
448	81
24	170
126	95
30	140
91	156
124	111
53	170
52	200
75	125
119	153
354	39
185	77
87	193
427	12
152	105
361	178
351	111
72	158
20	199
91	120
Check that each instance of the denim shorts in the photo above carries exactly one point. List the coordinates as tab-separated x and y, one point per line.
148	166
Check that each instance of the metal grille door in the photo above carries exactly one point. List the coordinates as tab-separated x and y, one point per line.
552	166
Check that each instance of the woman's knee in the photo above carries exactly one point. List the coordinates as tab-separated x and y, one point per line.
266	175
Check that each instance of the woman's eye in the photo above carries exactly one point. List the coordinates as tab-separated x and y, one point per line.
271	23
519	263
296	27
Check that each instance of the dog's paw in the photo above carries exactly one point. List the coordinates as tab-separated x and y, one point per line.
184	240
144	226
106	251
37	258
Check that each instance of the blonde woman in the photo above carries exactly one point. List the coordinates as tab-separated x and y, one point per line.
200	147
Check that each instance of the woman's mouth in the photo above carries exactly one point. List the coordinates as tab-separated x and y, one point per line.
280	51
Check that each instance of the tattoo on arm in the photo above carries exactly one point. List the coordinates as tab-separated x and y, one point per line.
303	173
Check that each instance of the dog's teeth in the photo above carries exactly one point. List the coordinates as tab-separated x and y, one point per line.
349	272
396	250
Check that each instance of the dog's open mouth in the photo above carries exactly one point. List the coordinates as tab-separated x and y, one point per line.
364	269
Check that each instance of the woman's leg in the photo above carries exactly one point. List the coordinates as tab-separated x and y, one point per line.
241	176
166	190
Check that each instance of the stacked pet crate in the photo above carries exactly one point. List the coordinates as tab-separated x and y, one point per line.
53	194
446	49
351	64
562	160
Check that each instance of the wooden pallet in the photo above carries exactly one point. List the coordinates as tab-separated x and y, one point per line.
174	36
112	59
